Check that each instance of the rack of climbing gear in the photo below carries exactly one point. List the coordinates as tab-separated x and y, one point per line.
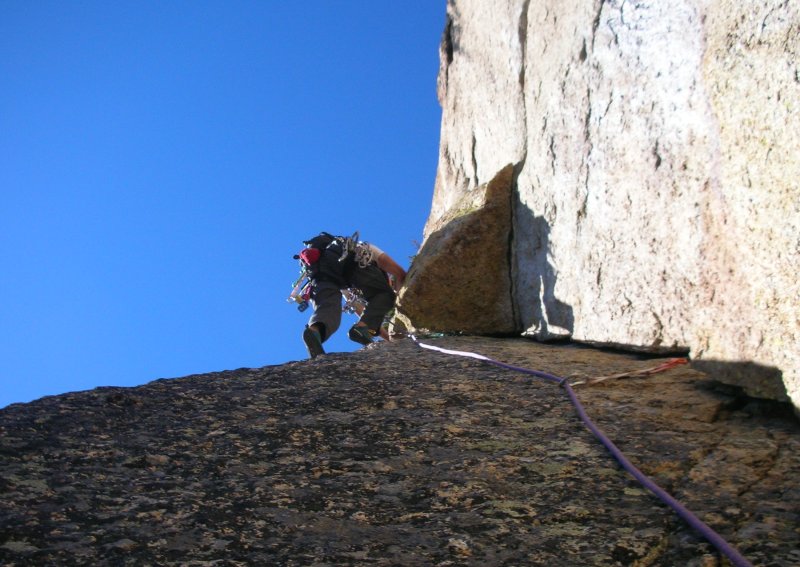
354	301
301	291
348	244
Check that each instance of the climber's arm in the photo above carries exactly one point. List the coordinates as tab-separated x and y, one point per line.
388	265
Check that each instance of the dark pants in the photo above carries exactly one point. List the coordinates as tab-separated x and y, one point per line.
326	298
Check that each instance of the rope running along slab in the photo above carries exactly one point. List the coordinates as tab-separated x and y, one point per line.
684	513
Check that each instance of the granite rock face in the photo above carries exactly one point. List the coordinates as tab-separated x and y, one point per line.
475	233
397	455
655	150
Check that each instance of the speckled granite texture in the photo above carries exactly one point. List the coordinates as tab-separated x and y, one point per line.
398	456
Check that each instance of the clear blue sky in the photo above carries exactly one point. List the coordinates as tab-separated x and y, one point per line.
161	162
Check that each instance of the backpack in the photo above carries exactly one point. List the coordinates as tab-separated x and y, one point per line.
310	255
328	257
321	241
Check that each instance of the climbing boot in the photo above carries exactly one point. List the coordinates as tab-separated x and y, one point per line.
360	334
313	341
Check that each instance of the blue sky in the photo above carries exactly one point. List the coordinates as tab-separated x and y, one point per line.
161	162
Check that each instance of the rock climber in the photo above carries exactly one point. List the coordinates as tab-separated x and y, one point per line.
345	263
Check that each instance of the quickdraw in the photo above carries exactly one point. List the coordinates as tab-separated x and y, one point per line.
354	301
349	244
301	290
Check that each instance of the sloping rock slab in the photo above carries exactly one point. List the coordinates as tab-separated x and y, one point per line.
396	455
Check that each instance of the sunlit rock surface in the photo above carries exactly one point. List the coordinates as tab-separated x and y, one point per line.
396	455
656	150
461	279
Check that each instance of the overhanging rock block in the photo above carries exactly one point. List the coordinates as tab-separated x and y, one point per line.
460	280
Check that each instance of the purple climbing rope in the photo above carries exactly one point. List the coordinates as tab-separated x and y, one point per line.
709	534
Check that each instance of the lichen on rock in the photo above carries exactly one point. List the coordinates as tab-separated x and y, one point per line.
397	455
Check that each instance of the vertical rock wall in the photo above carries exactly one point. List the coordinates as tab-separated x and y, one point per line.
656	155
